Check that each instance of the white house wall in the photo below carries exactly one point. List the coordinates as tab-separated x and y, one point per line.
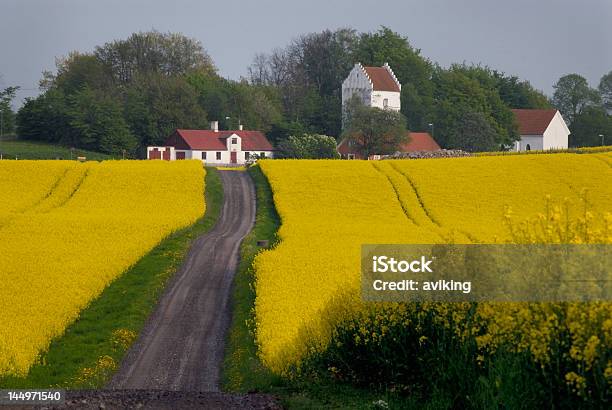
557	134
393	100
211	156
535	142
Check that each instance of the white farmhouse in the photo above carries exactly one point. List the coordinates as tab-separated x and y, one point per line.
376	86
213	147
541	130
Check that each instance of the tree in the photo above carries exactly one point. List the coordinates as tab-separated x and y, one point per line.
309	146
157	105
46	118
473	133
572	95
373	130
77	71
308	74
605	89
7	116
519	94
589	125
98	123
459	92
167	54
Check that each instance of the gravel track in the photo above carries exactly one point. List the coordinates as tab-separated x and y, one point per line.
176	361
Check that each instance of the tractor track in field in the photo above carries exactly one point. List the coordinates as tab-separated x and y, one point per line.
182	345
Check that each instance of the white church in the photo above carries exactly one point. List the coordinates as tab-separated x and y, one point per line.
540	129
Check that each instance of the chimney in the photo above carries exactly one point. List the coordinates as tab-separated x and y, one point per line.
214	126
239	127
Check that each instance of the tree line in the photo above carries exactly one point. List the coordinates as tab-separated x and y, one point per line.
130	93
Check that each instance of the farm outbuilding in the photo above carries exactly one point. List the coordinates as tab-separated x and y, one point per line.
213	147
541	129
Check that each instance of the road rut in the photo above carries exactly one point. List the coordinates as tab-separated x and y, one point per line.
182	345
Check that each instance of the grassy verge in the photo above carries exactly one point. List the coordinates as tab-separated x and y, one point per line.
242	369
20	149
88	353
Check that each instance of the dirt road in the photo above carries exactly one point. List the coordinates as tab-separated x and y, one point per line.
181	347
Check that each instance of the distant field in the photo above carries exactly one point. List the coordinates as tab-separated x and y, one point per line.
14	148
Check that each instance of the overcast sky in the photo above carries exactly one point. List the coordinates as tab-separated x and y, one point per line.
537	40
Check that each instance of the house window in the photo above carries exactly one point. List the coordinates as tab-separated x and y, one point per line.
263	155
385	103
247	155
234	141
528	147
218	156
203	154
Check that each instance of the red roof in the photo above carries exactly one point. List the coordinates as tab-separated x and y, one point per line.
419	141
533	122
382	79
208	140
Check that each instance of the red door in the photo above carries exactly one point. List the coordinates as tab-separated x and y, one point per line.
154	154
233	157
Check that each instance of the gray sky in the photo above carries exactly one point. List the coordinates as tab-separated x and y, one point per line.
537	40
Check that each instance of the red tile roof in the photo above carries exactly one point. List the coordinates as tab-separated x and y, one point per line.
419	141
208	140
382	79
533	122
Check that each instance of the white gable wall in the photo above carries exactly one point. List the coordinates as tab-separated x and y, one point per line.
233	147
557	134
358	83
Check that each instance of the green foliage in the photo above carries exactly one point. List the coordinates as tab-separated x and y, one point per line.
589	125
155	105
572	95
462	90
126	95
309	146
473	133
308	75
417	358
605	89
77	71
7	120
374	131
97	123
144	53
46	118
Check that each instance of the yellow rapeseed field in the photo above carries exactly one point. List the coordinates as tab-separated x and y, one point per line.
310	281
69	229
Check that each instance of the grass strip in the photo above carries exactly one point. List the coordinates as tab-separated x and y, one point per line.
89	351
20	149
